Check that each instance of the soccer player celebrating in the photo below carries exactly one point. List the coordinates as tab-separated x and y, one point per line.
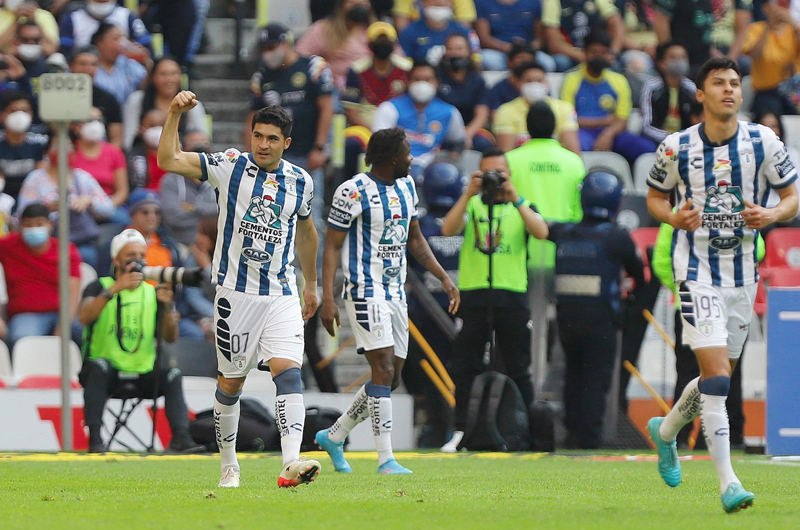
374	217
264	206
722	171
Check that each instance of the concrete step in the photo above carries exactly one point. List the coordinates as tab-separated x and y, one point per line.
229	133
228	111
222	66
221	35
209	90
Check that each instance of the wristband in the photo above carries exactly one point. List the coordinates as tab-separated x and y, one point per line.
520	202
105	293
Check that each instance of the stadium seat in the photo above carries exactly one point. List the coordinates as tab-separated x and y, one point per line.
6	373
194	357
645	240
2	384
783	248
613	161
633	212
760	305
492	78
470	161
641	169
784	277
42	356
88	275
791	130
45	382
635	122
554	81
107	233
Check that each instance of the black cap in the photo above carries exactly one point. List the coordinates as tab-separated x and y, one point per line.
273	33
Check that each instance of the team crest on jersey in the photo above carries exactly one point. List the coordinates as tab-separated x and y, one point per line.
395	230
262	220
724	198
706	327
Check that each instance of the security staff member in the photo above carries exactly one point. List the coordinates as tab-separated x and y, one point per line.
119	346
513	220
590	256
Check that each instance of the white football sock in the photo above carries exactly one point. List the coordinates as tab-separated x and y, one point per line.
290	416
226	426
358	412
380	411
686	409
717	432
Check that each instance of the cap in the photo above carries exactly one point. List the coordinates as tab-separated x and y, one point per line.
376	29
274	33
57	62
129	235
142	197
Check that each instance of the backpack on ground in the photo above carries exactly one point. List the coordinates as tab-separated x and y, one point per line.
257	429
541	416
318	418
497	419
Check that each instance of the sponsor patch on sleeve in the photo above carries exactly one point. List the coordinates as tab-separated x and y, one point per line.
785	167
658	174
340	217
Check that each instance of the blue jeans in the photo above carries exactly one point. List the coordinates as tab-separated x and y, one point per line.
497	61
196	37
37	325
88	254
563	62
627	144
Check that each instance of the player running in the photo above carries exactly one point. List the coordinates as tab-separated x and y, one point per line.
374	217
722	171
264	206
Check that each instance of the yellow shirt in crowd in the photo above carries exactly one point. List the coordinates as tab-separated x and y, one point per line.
44	19
512	118
463	10
780	58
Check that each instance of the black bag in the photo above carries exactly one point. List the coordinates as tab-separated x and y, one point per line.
496	415
542	426
318	418
257	429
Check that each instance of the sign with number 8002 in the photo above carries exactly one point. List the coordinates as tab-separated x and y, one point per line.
65	97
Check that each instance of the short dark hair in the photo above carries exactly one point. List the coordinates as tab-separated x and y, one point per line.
597	36
27	24
696	108
717	63
383	146
518	47
541	121
11	96
492	152
420	63
35	209
274	115
102	29
763	113
524	67
80	50
661	49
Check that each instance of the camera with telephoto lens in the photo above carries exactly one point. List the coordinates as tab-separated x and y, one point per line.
173	275
491	181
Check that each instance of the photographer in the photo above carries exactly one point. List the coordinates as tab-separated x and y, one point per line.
122	315
514	220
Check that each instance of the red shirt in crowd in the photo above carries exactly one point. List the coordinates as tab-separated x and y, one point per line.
32	279
156	173
103	167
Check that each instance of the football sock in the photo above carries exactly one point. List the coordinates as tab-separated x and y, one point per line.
226	425
685	410
358	412
290	413
380	411
717	432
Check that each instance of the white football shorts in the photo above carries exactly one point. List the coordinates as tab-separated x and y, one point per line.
716	316
379	324
252	329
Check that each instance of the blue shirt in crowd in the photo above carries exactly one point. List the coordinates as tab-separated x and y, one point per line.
417	39
510	21
500	93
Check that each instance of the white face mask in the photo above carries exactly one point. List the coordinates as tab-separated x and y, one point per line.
152	135
274	59
100	10
12	5
533	92
18	122
438	14
93	131
422	91
29	52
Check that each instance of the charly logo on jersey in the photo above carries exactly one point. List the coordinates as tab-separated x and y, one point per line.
393	239
262	220
721	210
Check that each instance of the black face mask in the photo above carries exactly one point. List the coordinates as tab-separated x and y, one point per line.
382	49
358	14
456	63
596	65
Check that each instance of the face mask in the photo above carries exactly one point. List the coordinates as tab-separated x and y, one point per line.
382	50
597	65
677	68
35	236
533	92
456	63
358	14
100	11
274	59
93	131
151	136
438	14
18	122
12	5
422	91
29	52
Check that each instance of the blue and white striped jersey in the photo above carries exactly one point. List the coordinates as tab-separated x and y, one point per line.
719	179
376	217
258	214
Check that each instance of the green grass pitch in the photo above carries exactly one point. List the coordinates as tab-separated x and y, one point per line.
486	491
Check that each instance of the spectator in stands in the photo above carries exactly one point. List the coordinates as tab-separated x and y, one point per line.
103	161
9	77
118	73
164	84
732	18
27	46
23	11
177	19
602	99
85	60
21	151
461	85
507	89
198	302
30	263
143	170
774	46
666	99
568	22
340	39
510	124
424	39
186	201
688	24
121	314
79	26
774	122
500	23
430	124
407	11
196	38
88	203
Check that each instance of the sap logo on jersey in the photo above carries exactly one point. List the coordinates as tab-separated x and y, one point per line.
725	243
391	272
255	254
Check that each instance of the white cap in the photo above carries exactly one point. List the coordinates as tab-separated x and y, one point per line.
129	235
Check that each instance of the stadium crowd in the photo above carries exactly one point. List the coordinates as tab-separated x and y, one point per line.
433	67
